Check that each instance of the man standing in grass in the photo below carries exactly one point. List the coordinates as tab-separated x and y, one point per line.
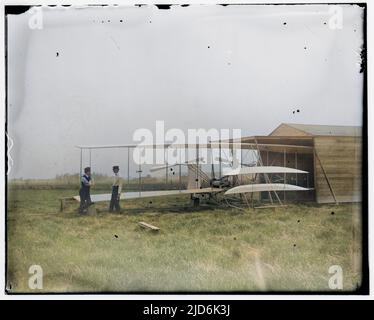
84	192
116	191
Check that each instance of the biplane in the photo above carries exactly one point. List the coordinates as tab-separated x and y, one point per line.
233	181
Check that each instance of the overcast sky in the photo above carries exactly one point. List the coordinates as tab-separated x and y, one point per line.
88	78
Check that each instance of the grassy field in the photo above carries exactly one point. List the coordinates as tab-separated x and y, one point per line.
102	183
208	248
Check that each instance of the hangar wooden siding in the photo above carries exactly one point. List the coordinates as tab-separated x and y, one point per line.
335	162
338	161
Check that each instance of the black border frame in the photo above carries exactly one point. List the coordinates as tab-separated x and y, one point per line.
363	290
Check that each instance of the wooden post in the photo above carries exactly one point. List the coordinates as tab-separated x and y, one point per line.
140	177
91	167
197	166
241	164
196	201
307	180
220	160
80	167
166	166
284	175
128	167
180	171
296	165
62	204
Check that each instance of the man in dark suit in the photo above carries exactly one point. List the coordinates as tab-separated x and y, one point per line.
84	192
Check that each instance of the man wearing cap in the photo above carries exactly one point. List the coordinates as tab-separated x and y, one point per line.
84	192
116	191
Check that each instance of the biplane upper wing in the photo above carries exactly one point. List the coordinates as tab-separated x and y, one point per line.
262	169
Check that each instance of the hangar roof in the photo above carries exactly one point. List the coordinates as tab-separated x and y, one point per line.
317	130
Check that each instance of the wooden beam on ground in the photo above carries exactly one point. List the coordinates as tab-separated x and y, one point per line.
148	226
266	207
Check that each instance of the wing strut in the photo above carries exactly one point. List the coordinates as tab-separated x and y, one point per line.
266	175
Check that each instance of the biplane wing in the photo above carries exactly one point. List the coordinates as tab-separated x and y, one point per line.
259	187
262	169
149	194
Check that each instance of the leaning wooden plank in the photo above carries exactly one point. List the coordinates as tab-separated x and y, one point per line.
264	187
148	226
327	179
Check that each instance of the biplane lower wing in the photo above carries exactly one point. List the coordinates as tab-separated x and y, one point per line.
248	188
149	194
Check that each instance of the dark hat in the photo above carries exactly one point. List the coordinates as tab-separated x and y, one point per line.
115	167
87	169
